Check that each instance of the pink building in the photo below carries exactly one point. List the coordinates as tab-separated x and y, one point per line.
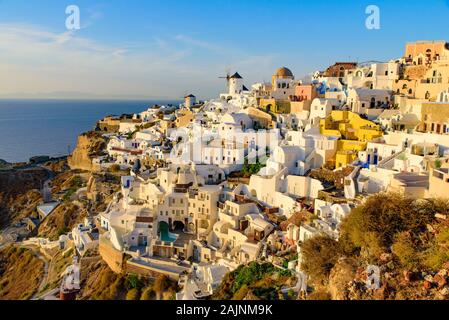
304	92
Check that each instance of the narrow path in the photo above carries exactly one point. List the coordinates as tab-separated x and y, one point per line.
44	280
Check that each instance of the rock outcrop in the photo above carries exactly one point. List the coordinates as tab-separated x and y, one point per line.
19	193
90	145
342	274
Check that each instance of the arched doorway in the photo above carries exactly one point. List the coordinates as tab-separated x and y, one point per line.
178	226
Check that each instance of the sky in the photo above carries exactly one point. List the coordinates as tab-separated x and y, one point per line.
165	49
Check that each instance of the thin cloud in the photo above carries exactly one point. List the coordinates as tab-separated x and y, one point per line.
199	43
34	59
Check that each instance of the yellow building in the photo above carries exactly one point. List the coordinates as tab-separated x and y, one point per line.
275	106
184	118
353	133
166	125
262	120
434	118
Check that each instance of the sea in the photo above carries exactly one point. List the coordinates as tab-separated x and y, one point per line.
31	128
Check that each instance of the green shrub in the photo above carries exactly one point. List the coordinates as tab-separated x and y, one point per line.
133	281
404	249
319	255
438	253
245	275
373	226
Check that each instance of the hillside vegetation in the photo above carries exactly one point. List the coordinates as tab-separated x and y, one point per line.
100	283
15	263
254	282
402	236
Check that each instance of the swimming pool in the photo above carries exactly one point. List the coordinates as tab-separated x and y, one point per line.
166	235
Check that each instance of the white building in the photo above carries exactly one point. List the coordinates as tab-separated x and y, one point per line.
369	102
85	236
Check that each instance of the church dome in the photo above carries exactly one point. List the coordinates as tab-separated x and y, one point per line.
283	72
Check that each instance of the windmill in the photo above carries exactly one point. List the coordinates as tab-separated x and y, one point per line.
227	77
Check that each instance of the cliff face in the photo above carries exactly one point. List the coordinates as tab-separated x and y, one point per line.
61	221
89	145
19	193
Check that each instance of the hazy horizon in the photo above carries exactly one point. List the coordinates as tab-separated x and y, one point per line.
167	49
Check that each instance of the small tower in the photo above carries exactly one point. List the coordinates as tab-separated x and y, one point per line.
189	101
235	84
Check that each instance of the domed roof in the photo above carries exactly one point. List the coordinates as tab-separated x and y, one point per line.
283	72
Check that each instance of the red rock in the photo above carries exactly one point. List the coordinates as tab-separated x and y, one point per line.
427	285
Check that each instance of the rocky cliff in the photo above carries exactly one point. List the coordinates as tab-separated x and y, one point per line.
19	193
90	145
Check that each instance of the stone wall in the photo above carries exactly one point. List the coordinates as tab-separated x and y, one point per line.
113	258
